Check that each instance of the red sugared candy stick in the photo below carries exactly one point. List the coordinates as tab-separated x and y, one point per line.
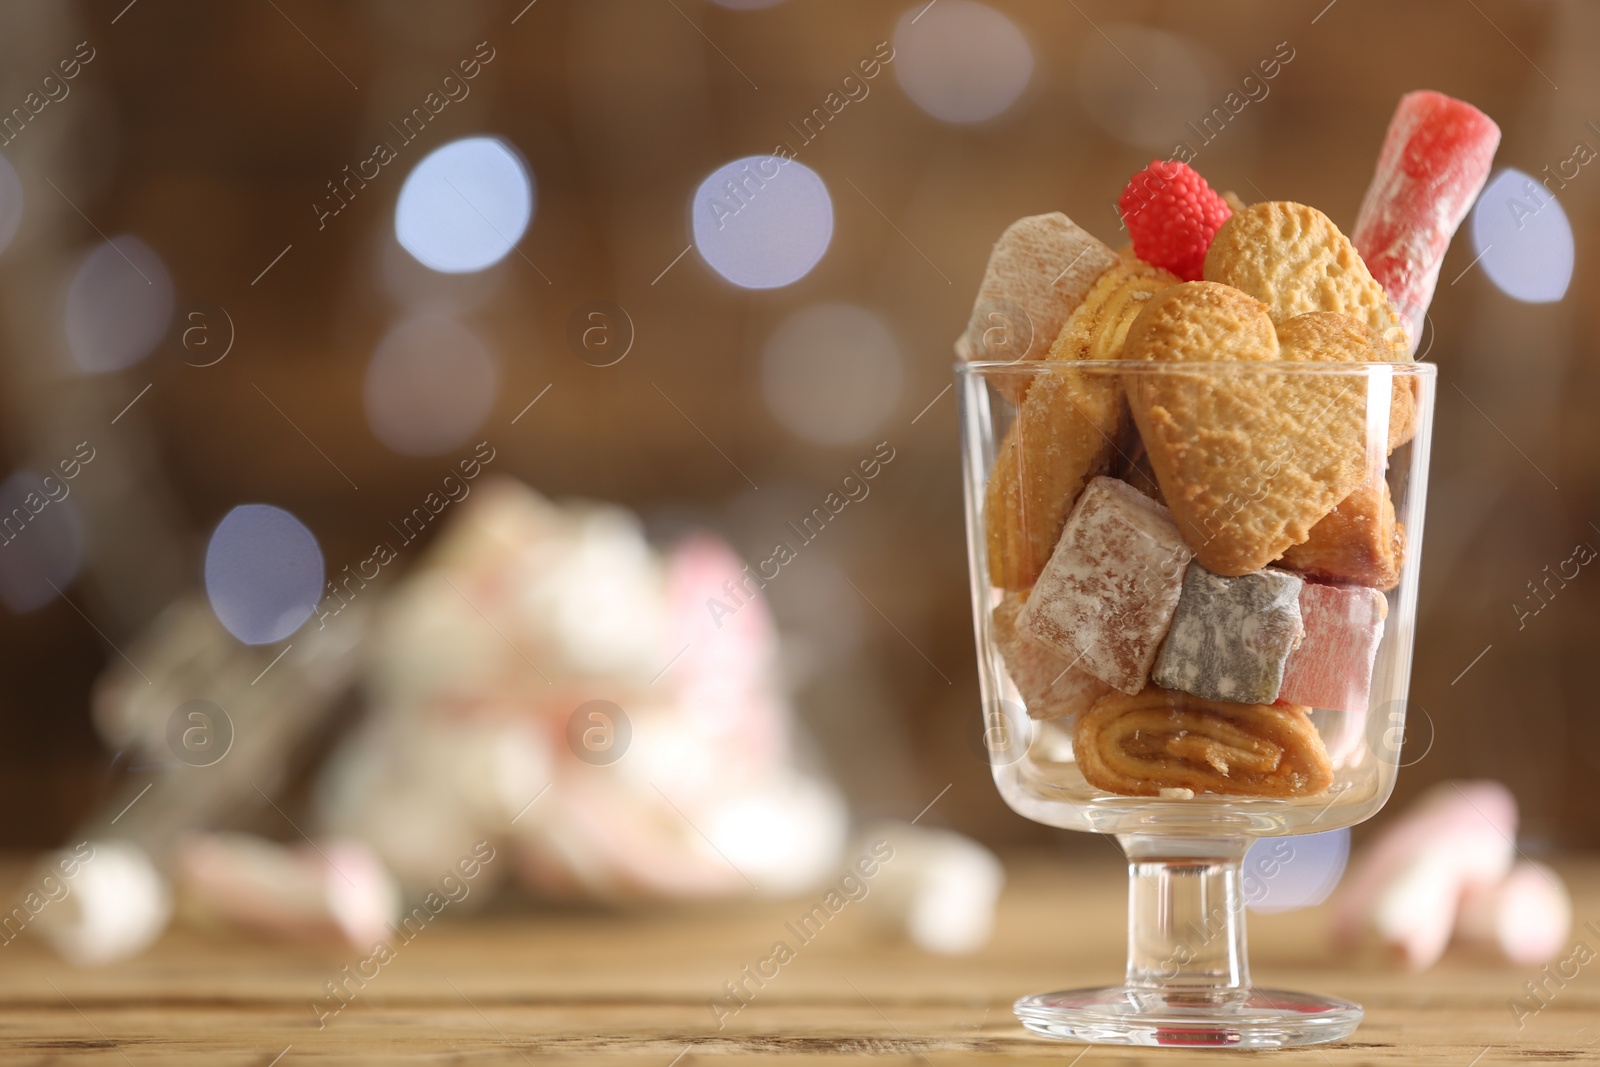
1435	158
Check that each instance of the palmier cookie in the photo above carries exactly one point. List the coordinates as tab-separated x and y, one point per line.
1141	745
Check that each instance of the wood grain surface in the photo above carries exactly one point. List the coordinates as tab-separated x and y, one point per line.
517	985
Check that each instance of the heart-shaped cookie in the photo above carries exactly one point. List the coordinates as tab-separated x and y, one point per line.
1328	335
1248	460
1293	259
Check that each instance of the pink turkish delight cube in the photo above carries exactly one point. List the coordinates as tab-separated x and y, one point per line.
1107	595
1050	685
1332	668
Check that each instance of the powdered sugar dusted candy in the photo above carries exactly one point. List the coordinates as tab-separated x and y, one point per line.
1231	637
1434	160
1108	593
1039	271
1050	684
1332	668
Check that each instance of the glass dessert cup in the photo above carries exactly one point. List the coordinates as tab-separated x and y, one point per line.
1188	979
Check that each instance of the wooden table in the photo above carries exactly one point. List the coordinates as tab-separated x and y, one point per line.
522	986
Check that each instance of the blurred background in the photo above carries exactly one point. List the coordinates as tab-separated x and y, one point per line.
227	277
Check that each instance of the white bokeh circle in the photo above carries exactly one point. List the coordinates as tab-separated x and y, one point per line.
762	222
1523	239
263	573
1114	71
961	61
119	305
1285	873
465	206
832	373
430	385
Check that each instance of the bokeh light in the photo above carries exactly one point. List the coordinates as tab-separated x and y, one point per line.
1522	238
1284	873
762	222
430	385
264	573
41	540
119	305
465	206
961	61
10	203
1116	71
831	373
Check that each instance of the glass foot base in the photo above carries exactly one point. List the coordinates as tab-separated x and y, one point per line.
1261	1018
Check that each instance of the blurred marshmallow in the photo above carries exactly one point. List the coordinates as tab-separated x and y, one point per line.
1527	917
1445	870
939	889
340	889
118	905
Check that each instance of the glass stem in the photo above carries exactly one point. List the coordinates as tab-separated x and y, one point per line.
1186	918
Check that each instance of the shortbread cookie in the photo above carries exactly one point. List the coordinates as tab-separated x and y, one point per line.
1140	745
1201	321
1358	541
1039	271
1065	431
1248	460
1050	684
1098	328
1294	259
1330	336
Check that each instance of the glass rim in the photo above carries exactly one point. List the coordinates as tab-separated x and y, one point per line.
1330	368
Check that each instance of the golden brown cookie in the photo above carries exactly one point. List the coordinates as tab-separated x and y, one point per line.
1294	259
1099	326
1065	430
1358	541
1248	460
1201	321
1328	335
1140	745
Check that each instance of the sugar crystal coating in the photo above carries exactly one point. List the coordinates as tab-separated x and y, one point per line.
1433	163
1332	668
1231	637
1107	595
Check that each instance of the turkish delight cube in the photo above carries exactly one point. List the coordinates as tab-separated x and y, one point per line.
1231	637
1106	597
1332	668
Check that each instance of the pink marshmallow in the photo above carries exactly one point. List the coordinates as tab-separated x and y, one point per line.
1527	917
1406	888
342	891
